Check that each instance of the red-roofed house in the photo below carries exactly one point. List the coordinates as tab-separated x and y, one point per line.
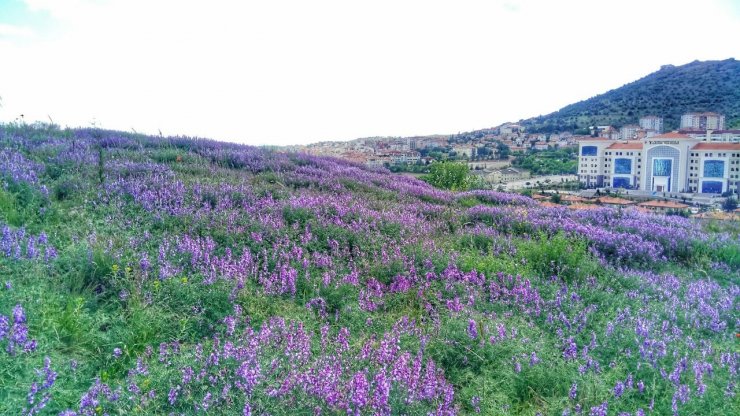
611	201
663	206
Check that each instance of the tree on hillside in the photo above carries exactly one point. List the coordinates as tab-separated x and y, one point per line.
502	150
450	175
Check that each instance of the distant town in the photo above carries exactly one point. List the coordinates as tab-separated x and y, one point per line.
495	155
696	165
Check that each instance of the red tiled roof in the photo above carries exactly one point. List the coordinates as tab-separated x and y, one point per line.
628	146
672	135
716	146
663	204
614	201
696	131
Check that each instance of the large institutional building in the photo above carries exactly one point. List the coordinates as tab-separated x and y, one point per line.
687	161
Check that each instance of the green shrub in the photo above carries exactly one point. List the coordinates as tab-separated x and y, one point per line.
558	255
450	175
85	269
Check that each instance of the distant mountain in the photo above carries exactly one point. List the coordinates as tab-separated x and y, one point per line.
669	92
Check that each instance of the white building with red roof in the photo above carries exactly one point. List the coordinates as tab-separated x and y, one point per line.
670	162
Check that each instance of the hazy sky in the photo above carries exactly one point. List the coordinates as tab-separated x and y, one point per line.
285	72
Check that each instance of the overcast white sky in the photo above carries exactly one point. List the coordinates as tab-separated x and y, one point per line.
288	72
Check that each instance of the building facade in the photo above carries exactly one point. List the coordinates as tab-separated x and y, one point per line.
671	162
702	121
653	123
629	131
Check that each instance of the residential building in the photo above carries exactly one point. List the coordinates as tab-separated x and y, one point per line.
629	131
510	128
605	131
653	123
702	121
509	174
464	150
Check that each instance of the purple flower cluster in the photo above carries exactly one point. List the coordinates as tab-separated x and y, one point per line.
14	330
287	364
41	387
620	236
15	166
17	244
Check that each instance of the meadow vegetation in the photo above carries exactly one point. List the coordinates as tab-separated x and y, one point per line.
155	276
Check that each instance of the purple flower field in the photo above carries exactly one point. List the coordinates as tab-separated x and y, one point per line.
167	276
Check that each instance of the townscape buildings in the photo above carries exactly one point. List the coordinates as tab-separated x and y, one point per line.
691	160
483	145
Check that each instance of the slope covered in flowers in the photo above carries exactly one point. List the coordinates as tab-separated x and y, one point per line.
145	275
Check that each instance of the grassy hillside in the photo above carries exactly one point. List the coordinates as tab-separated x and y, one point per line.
669	92
158	276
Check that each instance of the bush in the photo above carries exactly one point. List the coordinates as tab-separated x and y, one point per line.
450	175
558	255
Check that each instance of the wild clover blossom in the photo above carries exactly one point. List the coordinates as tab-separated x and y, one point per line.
533	359
17	332
618	389
600	410
570	352
475	403
472	329
48	377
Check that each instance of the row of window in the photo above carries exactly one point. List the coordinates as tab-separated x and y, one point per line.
622	153
712	154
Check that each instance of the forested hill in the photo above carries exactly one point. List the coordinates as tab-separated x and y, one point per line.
669	92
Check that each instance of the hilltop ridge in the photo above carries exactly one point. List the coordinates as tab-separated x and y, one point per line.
669	92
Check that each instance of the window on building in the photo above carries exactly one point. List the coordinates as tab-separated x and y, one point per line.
714	168
589	150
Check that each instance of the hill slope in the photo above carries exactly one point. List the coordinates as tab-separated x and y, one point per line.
669	92
156	276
